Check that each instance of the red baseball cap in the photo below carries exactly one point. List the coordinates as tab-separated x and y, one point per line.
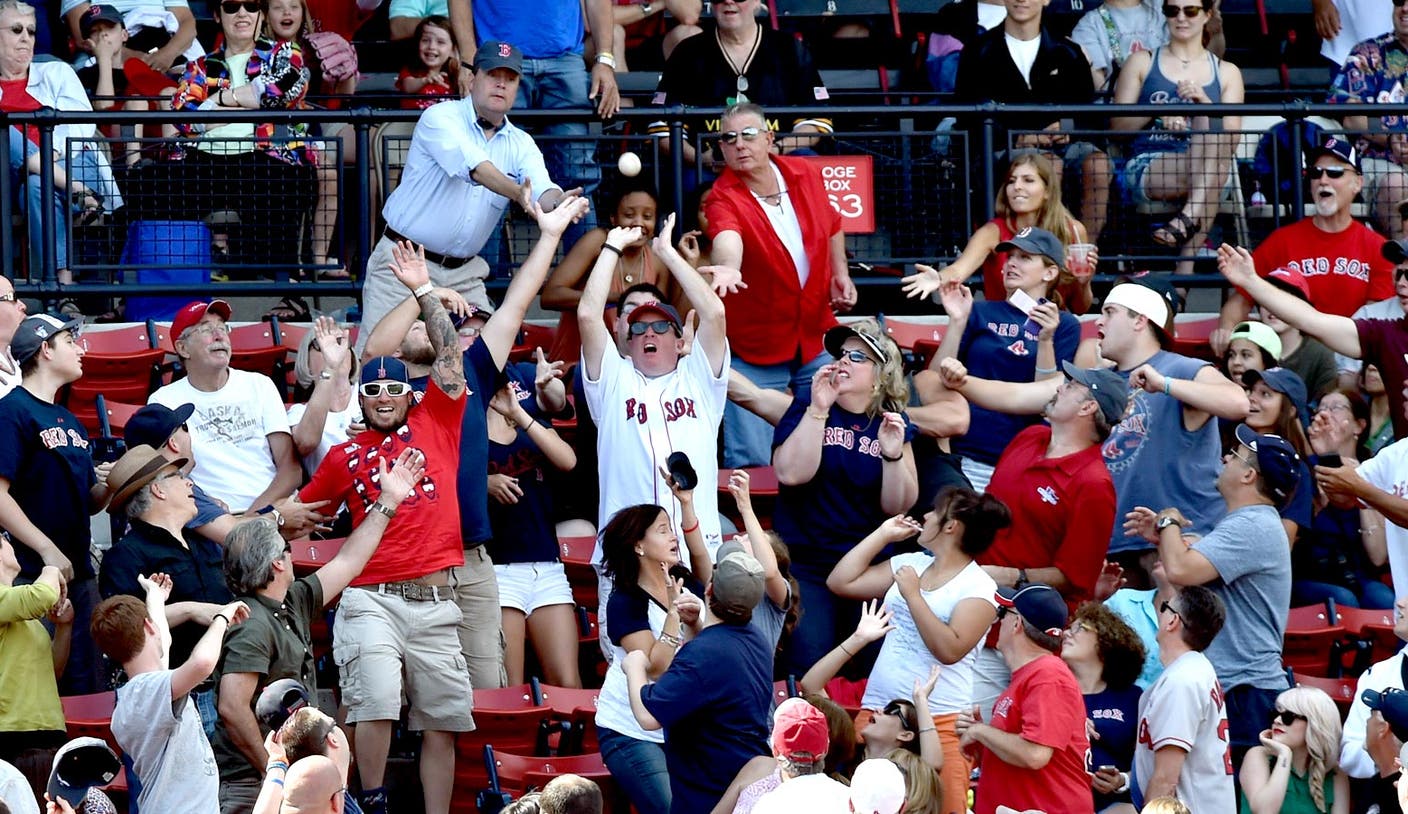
194	312
1291	280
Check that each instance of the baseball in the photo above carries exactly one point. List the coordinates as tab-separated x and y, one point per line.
628	164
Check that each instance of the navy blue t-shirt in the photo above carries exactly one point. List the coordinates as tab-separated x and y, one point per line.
482	379
1116	717
713	702
821	520
45	456
996	347
523	531
628	609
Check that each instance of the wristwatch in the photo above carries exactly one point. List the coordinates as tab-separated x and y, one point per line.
646	7
382	508
1165	521
325	375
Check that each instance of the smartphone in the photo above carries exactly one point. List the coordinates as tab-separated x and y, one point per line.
1331	460
1107	769
1025	304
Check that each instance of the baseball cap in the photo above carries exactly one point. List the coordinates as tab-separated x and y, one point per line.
1035	240
659	309
799	732
494	54
98	13
837	336
1284	381
194	312
137	467
1276	461
1291	281
1148	296
279	700
1392	703
1396	251
81	764
153	424
1259	334
738	582
1039	604
34	331
1336	147
1108	388
385	368
877	787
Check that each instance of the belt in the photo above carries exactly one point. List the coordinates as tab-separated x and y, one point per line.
434	257
413	591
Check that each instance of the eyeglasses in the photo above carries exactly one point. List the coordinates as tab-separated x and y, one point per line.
1190	12
1285	716
1333	406
1315	173
208	329
1249	463
1079	627
10	297
18	29
659	326
1167	608
288	548
856	357
747	134
393	389
1002	612
233	6
1398	273
897	709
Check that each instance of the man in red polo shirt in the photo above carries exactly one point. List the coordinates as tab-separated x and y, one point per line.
770	219
1054	479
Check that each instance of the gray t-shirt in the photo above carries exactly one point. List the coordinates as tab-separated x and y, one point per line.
1141	28
1250	551
167	745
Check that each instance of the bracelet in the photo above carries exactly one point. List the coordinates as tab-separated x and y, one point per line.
888	459
382	508
842	645
928	729
1044	370
605	246
606	58
422	290
670	639
818	416
1168	386
694	527
276	764
227	624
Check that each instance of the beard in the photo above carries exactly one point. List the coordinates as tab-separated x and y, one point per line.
418	354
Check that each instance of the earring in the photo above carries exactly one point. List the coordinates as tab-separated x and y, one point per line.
640	552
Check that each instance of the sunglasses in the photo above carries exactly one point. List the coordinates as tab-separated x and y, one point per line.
233	6
393	389
659	326
10	297
747	134
1316	173
1398	274
23	29
897	709
1285	716
856	357
1188	11
1167	608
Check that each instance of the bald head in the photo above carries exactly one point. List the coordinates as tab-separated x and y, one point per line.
313	785
570	794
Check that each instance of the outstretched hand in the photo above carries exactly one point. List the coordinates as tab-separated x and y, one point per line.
332	343
398	481
408	264
158	584
875	621
1236	264
569	210
923	283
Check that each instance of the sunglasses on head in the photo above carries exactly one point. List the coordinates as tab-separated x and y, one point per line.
1287	718
18	28
659	326
393	389
747	134
233	6
1315	173
1188	11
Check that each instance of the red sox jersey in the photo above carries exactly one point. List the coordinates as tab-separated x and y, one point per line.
1185	709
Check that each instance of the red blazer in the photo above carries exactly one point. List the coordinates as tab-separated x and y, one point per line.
775	319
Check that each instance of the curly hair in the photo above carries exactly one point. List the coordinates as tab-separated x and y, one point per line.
1119	648
891	390
1322	735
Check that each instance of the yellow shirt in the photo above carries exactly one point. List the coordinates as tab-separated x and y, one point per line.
29	691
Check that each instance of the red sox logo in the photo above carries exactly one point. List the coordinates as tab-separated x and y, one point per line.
505	50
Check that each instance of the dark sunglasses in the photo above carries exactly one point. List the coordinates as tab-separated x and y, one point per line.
1285	716
856	357
897	709
1188	11
233	6
1315	173
10	297
659	326
1166	607
393	389
1398	274
747	134
23	29
1002	612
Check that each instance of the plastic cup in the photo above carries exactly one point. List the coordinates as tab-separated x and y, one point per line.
1078	258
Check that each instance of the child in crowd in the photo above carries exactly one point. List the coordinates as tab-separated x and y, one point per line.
429	77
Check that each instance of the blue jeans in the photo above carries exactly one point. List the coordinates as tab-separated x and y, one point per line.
639	767
827	619
748	438
1373	594
562	83
84	169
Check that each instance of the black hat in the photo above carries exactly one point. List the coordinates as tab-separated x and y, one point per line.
279	700
81	764
1039	604
154	424
1335	147
494	54
1392	703
99	13
1284	381
1109	389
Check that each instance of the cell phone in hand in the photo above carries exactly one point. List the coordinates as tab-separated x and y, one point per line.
1331	460
1107	769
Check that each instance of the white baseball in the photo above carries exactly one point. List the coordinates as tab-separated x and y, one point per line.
628	164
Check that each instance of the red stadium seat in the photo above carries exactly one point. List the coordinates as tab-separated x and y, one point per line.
255	348
90	716
309	555
1309	617
1373	626
1190	336
1312	651
519	774
531	338
507	719
118	414
907	333
1339	689
576	555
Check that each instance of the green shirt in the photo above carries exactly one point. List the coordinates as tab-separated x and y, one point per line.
29	690
1298	799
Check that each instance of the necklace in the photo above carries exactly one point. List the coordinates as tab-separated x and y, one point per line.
626	274
740	81
774	199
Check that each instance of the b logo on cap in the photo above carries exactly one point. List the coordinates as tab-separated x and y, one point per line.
505	49
381	373
1025	232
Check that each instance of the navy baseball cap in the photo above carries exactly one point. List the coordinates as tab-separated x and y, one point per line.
1284	381
99	13
1396	251
385	368
34	331
1035	240
494	54
1108	388
279	700
82	764
153	424
1039	604
1392	703
1276	461
1335	147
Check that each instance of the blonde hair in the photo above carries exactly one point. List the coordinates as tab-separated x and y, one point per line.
1165	805
923	793
891	390
1322	735
303	369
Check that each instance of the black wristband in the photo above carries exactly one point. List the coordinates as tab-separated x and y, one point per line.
221	616
896	459
605	246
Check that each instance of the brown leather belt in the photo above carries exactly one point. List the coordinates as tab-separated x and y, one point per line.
434	257
413	591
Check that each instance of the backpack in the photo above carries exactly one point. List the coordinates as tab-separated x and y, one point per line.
1273	165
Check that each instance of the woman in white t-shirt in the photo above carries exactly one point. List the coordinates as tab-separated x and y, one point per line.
327	364
943	605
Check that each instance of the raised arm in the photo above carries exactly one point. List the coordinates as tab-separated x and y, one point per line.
854	577
957	300
699	562
873	625
387	335
705	300
1337	332
596	339
758	543
156	589
396	484
332	344
798	458
206	654
563	291
1017	398
928	279
408	264
769	405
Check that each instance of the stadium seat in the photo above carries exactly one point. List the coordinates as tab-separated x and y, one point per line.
518	774
577	709
90	716
256	348
1372	626
1309	617
114	415
576	555
530	338
123	364
762	481
507	718
309	555
1313	651
1339	689
1191	333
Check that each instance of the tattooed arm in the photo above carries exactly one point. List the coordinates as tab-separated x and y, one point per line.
408	264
